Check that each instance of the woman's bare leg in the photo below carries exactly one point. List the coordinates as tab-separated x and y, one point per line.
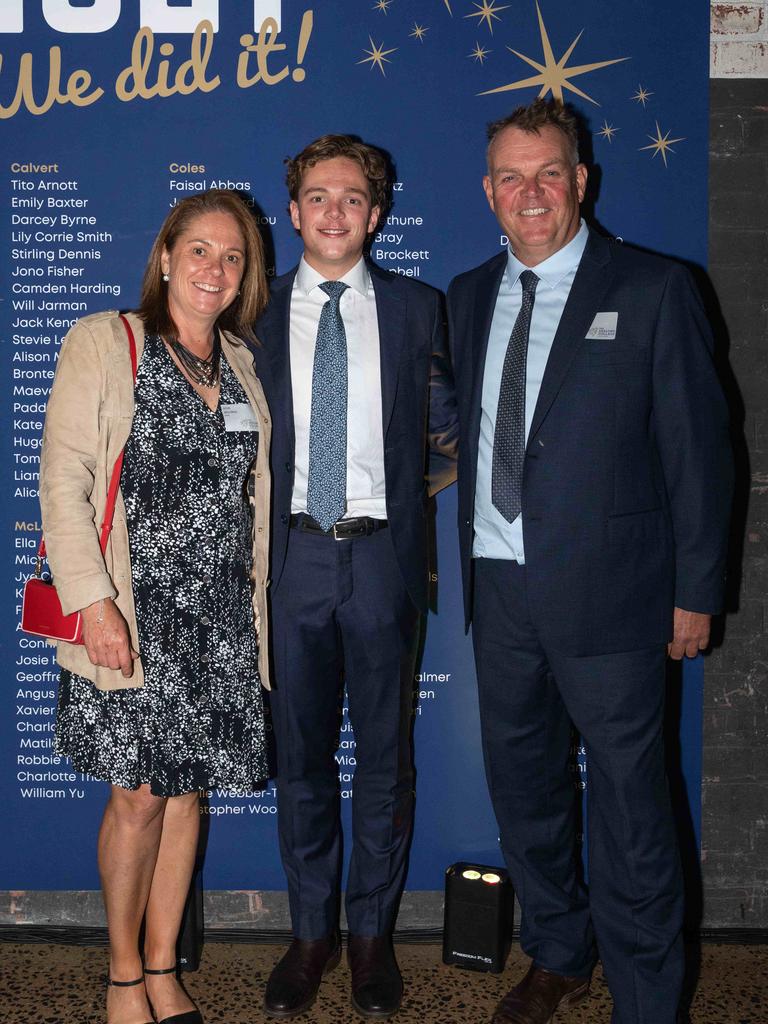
129	840
167	896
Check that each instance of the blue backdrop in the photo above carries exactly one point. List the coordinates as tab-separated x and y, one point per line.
106	123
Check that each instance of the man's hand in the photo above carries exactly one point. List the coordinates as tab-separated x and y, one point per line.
106	637
690	634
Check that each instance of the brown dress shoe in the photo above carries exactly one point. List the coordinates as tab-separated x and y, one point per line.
377	988
538	996
293	983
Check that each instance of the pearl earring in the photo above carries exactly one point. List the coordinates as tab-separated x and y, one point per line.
166	278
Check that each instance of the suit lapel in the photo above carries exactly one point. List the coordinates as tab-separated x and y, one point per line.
480	318
274	331
589	286
391	317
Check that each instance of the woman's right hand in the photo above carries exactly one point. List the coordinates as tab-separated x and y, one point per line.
106	637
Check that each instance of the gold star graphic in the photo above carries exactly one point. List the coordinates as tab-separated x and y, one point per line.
382	5
448	6
660	144
553	74
486	12
608	131
377	56
418	32
641	96
479	53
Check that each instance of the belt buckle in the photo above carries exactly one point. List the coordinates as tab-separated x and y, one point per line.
355	528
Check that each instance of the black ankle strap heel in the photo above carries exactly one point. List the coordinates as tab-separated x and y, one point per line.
126	984
190	1016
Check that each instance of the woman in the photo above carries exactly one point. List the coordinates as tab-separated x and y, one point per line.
164	697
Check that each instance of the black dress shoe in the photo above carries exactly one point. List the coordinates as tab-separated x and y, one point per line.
377	988
536	998
293	983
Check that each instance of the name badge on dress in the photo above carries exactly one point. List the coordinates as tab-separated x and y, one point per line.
239	417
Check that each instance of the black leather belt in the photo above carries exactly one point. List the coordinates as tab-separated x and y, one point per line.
345	529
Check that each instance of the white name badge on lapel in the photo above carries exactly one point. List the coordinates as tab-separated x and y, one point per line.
603	327
239	417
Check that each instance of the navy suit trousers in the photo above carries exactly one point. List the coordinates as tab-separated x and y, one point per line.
530	694
341	615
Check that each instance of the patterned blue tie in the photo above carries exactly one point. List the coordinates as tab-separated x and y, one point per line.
327	483
509	433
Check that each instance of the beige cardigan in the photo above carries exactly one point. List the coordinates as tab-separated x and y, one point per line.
88	420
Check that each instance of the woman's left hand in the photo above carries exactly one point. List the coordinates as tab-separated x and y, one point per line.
106	637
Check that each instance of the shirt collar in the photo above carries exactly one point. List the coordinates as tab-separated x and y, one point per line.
557	266
358	278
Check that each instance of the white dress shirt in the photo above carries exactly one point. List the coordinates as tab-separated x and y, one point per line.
365	437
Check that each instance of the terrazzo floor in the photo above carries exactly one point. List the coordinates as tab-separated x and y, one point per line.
46	984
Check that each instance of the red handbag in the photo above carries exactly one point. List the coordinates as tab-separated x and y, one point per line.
41	612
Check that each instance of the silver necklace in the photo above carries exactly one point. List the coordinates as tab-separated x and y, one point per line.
204	372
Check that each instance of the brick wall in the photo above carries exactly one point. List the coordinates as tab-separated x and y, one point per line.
735	790
739	45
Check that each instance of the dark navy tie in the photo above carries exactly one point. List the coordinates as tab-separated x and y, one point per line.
327	481
509	433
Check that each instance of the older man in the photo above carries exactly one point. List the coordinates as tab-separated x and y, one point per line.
594	492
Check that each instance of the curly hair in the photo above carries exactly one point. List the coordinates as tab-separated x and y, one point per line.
372	162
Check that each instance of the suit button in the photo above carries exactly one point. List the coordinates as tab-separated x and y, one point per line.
284	518
288	467
467	522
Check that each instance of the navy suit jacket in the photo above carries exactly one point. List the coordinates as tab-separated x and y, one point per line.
418	410
627	477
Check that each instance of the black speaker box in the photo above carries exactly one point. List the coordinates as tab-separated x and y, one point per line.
478	917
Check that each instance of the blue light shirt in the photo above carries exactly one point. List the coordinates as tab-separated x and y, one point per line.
494	536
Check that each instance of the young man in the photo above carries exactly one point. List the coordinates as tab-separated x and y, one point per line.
354	369
594	492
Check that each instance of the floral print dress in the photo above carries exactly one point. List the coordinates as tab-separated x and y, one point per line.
198	720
